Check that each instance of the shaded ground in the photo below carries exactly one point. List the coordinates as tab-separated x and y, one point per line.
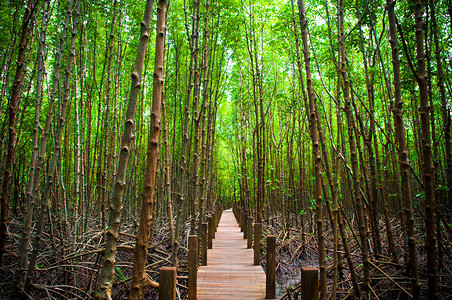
388	280
66	271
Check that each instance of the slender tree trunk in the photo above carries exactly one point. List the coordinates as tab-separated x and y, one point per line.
206	101
194	182
139	278
77	161
353	154
180	201
301	151
429	201
373	194
169	205
244	162
313	116
107	271
259	129
403	155
56	151
445	107
6	68
22	263
12	110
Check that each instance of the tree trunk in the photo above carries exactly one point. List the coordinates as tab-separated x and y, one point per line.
313	116
353	155
107	271
206	101
22	262
11	139
195	138
139	277
445	107
429	201
403	155
56	151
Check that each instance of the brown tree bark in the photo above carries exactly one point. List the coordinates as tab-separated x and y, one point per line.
313	117
185	151
45	199
444	106
106	164
206	101
169	203
353	154
139	278
107	271
425	141
403	154
22	262
194	180
32	190
368	137
12	110
259	128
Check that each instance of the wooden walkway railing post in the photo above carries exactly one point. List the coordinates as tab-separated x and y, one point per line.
239	216
217	220
192	266
257	242
270	286
204	241
211	229
245	225
167	284
309	283
214	221
242	220
249	241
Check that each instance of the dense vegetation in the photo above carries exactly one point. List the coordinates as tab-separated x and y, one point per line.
124	124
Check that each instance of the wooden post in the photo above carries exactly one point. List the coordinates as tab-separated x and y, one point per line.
241	220
211	230
204	245
257	243
192	266
309	283
245	226
249	241
220	213
270	285
214	219
167	284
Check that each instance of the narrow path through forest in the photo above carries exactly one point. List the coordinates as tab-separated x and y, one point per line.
230	273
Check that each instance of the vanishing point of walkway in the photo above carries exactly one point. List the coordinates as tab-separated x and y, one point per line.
230	273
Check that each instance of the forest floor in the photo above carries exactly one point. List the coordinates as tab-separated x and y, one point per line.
389	280
68	271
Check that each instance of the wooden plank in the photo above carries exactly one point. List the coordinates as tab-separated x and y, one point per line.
230	273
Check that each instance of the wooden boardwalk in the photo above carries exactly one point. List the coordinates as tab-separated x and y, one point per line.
230	273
